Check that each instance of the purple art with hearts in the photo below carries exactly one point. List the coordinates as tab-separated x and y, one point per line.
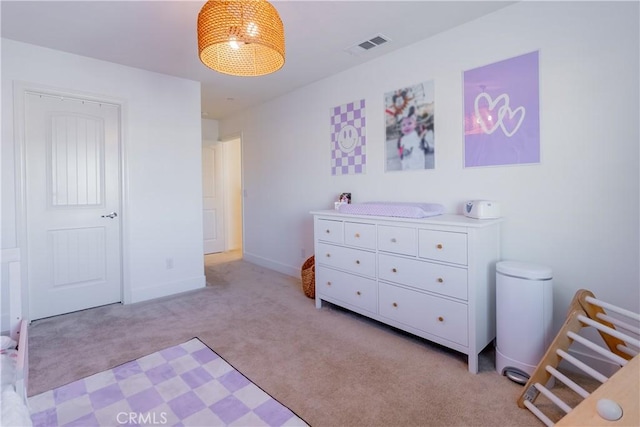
348	154
502	113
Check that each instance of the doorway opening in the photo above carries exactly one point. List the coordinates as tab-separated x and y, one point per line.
222	200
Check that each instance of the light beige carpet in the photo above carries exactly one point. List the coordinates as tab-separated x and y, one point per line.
331	367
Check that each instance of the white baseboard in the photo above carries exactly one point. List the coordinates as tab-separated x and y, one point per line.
166	289
272	265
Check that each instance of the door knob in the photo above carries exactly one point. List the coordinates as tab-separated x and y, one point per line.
111	215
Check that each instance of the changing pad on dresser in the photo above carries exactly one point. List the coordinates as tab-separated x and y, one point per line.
396	209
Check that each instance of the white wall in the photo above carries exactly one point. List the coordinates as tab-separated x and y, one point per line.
209	130
162	212
576	212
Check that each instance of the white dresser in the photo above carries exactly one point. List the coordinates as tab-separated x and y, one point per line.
432	277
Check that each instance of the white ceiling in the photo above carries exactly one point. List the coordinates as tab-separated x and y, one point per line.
160	36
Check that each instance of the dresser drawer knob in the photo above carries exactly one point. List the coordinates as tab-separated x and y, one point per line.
328	231
393	240
358	293
395	304
357	261
440	319
357	235
328	283
439	246
440	280
328	255
395	270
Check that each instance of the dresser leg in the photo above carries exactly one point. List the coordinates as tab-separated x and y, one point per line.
473	363
318	303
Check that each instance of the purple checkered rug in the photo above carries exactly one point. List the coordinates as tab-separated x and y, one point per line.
185	385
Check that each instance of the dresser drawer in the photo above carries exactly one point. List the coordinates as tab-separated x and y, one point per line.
436	316
442	279
360	234
329	231
355	290
399	240
353	260
443	246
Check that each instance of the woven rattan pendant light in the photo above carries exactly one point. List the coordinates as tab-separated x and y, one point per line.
241	37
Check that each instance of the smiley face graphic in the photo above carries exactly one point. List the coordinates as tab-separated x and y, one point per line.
348	138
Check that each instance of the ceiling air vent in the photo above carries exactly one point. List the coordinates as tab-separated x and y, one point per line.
366	45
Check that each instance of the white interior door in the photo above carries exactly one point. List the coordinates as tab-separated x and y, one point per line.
233	193
213	198
72	152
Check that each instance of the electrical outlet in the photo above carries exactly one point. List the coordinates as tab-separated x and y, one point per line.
169	263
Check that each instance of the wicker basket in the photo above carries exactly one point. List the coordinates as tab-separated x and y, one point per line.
308	273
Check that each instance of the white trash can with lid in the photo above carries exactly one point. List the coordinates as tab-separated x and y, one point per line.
524	316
